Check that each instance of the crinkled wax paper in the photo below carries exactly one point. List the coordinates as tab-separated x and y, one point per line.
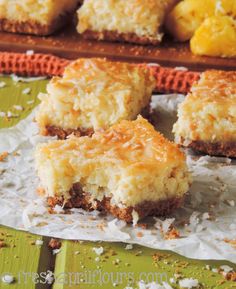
206	221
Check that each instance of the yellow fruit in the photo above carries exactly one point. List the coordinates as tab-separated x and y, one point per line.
216	36
188	15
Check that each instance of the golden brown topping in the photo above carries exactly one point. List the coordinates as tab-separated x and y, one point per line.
172	234
40	191
2	244
216	85
54	243
231	242
3	156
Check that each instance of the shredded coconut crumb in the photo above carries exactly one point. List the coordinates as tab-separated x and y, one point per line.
135	217
16	78
129	247
166	224
232	242
2	84
18	107
54	244
172	234
39	242
99	251
177	276
226	268
189	283
26	90
58	209
3	156
9	114
56	251
231	203
205	216
8	279
172	280
29	52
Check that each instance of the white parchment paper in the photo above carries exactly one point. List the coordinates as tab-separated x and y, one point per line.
205	222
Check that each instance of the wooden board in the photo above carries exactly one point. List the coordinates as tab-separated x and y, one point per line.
67	43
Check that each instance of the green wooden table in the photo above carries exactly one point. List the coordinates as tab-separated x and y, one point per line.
29	259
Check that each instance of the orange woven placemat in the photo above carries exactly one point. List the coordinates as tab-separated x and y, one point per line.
167	79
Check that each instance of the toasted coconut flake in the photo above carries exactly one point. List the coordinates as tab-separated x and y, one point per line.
3	156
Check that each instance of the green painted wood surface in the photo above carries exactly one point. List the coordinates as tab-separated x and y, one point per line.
13	94
77	266
77	260
23	259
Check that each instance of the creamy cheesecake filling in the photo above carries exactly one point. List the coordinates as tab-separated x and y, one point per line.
106	180
40	11
141	17
95	93
130	163
206	122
